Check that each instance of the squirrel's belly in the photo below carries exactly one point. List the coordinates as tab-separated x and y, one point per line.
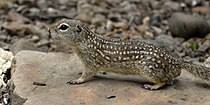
120	70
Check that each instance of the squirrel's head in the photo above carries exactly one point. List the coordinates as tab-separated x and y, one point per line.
69	30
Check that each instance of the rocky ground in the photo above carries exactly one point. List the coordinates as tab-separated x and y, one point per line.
40	79
180	26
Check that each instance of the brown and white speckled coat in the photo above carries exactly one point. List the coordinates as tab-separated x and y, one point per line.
101	53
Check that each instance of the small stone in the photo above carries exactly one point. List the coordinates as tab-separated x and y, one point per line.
34	11
157	30
156	20
51	10
205	46
187	26
6	4
146	21
100	30
155	4
5	38
172	5
100	10
202	10
4	45
98	19
207	62
167	42
34	38
16	17
128	7
109	25
42	42
142	29
23	44
122	25
137	19
22	29
85	17
114	17
114	2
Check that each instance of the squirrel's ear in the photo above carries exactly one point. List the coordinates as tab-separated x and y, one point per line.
79	28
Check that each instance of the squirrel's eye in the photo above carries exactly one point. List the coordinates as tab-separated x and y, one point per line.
63	27
79	29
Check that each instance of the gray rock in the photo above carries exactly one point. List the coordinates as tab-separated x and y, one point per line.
207	62
205	46
16	17
22	44
187	26
167	42
98	19
172	5
155	4
156	20
55	69
127	7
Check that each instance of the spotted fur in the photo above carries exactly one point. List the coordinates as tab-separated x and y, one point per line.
100	53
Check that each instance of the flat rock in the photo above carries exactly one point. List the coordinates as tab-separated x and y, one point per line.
55	69
188	26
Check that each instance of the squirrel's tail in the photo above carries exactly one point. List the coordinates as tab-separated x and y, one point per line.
198	71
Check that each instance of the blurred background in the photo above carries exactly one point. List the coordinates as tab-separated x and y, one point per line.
179	26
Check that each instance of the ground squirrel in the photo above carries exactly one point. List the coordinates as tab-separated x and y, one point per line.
101	53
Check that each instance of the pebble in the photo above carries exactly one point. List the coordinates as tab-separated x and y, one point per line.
156	20
155	4
205	46
34	38
85	17
167	42
207	62
23	44
42	42
174	6
22	29
202	10
98	19
142	29
188	26
16	17
122	25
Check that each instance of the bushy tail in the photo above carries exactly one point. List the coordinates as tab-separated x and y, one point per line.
198	71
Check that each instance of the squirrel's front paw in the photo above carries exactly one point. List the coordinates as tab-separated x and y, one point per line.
77	81
153	87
